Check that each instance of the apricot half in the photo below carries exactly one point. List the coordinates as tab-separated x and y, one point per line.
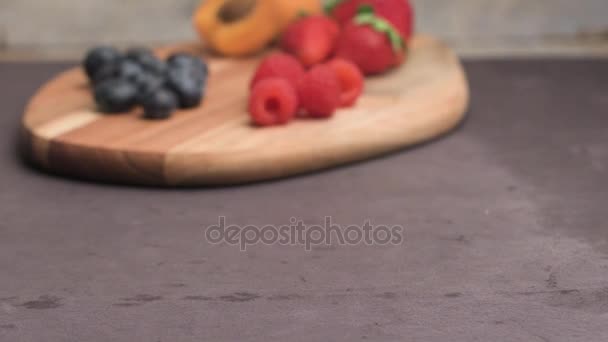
243	27
237	27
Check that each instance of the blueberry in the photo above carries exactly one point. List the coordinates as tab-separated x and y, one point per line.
183	59
190	62
115	95
125	69
138	54
129	70
177	74
159	104
188	88
106	72
148	84
98	58
147	60
155	66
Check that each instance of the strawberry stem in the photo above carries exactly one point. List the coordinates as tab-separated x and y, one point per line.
365	9
366	16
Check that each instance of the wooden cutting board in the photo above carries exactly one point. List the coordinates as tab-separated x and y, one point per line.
215	144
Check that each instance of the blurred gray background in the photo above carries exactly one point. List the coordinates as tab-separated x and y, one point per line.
59	28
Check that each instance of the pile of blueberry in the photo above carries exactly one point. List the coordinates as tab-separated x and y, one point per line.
138	78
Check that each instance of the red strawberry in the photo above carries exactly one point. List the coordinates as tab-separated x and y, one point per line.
319	92
311	39
280	65
342	10
350	78
371	43
273	101
400	13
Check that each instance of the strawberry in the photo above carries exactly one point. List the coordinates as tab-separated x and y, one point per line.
280	65
273	101
400	13
319	92
342	10
311	39
370	42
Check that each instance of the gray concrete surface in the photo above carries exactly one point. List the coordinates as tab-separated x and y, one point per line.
472	26
506	235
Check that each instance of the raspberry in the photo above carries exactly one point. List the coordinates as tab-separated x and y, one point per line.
280	65
350	78
319	91
273	101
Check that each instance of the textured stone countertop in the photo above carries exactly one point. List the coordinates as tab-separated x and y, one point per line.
506	234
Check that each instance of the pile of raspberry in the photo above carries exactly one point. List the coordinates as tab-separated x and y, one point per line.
300	82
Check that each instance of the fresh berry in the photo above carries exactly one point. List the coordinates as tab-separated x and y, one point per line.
147	60
185	59
399	13
99	58
139	53
350	79
140	78
124	68
187	77
280	65
342	10
311	39
108	71
371	43
273	101
115	96
187	85
319	91
147	84
129	70
189	62
159	104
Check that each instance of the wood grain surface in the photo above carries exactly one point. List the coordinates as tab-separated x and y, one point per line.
215	144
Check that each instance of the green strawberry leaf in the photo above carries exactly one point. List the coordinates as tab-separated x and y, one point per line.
366	16
365	9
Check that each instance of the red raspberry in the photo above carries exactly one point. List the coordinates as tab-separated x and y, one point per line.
280	65
319	92
350	78
273	101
